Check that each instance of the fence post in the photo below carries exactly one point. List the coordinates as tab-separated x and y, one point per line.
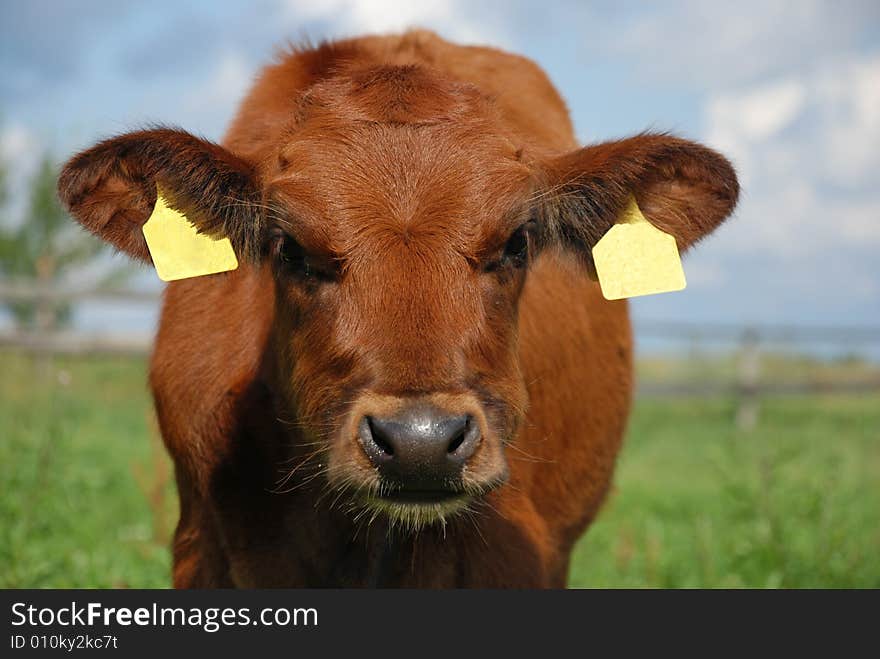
45	310
748	373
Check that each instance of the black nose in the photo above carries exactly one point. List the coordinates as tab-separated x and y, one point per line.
421	448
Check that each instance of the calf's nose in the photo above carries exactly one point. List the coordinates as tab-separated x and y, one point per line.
421	448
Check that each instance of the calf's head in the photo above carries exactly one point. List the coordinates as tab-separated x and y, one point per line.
399	217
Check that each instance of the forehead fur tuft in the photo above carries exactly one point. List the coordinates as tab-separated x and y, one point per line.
407	94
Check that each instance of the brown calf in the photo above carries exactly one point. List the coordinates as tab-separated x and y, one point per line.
411	380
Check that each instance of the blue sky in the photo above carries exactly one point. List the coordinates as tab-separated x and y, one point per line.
789	90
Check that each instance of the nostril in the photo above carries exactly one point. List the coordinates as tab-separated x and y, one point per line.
458	441
465	440
376	435
459	438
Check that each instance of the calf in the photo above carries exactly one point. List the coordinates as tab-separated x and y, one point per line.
411	379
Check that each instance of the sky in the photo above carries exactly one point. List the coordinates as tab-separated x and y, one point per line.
790	91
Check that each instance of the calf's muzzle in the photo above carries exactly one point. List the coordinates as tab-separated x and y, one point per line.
421	450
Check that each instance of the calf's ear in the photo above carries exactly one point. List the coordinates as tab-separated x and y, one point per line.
682	188
111	189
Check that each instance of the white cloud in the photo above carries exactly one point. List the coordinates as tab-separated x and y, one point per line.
20	153
806	147
452	18
761	112
17	144
714	44
849	99
223	89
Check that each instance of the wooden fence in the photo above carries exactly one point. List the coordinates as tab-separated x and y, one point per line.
47	339
751	349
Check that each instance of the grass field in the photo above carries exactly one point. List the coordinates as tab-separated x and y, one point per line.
86	495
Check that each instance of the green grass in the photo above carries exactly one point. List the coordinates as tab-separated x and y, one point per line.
794	503
87	496
84	492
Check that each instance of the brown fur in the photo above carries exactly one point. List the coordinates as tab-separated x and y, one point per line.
400	166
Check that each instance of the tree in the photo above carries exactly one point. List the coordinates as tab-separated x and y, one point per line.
44	248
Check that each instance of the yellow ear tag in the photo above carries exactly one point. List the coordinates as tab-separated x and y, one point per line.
636	258
179	251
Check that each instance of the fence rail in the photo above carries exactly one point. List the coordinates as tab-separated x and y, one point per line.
789	334
77	343
26	291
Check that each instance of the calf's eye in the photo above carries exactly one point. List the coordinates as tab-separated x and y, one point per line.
516	251
292	256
